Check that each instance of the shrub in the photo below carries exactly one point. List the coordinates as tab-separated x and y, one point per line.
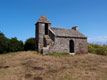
101	50
97	49
3	43
29	44
10	45
91	49
15	45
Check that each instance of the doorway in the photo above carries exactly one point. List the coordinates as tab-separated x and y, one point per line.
46	29
71	46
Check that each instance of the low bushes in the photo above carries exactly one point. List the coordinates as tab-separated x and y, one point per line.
29	44
97	49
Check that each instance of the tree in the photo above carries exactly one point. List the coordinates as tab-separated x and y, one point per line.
29	44
15	45
3	43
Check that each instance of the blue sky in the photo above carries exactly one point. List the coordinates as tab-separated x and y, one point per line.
17	17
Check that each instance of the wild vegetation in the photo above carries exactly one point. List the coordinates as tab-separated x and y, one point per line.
10	45
33	66
97	49
56	54
14	45
29	44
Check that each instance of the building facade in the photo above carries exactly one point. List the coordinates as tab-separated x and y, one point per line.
59	40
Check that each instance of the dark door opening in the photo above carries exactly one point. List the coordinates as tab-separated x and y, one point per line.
46	29
71	46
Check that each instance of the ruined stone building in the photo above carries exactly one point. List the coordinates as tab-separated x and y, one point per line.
59	40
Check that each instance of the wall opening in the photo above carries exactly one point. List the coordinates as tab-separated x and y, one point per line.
71	46
46	29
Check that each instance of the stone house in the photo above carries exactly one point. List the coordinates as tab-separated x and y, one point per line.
59	40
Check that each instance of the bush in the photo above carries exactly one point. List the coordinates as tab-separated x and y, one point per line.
10	45
101	50
3	43
29	44
15	45
97	49
91	49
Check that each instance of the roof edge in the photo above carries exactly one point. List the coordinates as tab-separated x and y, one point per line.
71	37
43	19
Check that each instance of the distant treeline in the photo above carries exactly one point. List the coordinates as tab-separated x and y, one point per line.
14	45
97	49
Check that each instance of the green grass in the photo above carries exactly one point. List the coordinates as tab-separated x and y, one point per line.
57	54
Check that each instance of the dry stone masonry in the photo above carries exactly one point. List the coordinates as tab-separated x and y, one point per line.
59	40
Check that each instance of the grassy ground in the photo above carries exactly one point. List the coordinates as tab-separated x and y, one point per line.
32	66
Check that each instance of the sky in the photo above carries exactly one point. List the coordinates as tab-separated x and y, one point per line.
18	17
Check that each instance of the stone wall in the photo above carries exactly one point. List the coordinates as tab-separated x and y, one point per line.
57	40
51	35
39	34
61	45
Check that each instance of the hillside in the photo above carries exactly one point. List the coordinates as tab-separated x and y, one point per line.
32	66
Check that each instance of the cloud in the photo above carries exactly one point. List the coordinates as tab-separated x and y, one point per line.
101	39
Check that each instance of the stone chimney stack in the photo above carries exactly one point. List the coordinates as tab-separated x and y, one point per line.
75	28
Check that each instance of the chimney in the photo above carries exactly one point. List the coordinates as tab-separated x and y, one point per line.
75	28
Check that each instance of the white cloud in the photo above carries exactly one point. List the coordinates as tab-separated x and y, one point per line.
101	39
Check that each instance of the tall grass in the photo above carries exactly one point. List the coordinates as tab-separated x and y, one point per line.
97	49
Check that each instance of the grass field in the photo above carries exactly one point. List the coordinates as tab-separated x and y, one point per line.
32	66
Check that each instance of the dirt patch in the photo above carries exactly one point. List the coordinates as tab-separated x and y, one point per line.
1	67
4	67
62	68
37	68
28	75
38	78
53	71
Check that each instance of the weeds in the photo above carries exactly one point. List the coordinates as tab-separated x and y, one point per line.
57	54
97	49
